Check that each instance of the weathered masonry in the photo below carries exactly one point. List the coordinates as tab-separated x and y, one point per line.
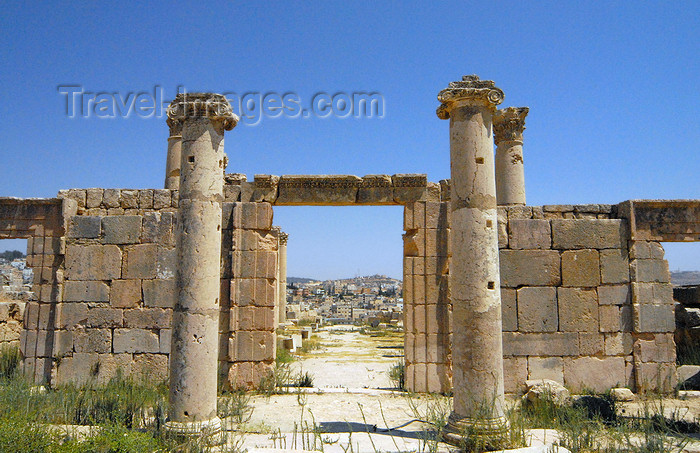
576	293
585	290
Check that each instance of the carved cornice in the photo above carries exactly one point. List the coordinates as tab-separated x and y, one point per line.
203	105
471	89
509	124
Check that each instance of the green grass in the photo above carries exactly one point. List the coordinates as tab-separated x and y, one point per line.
125	415
397	375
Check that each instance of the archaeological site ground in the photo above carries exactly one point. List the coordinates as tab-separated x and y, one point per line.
187	284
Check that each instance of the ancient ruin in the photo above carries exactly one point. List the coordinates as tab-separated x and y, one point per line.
194	274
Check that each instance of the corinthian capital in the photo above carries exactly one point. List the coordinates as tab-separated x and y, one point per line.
509	124
213	106
469	90
283	238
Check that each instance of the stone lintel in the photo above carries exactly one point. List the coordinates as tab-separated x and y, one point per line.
662	220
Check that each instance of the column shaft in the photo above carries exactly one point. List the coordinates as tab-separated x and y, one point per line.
477	351
194	346
508	125
172	163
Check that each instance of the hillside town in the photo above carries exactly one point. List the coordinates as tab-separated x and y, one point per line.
15	277
371	299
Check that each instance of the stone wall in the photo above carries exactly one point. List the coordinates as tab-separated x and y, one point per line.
586	298
581	304
427	308
113	298
11	320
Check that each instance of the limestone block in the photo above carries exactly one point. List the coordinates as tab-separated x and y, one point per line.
125	293
437	379
502	223
62	343
580	268
652	293
253	291
94	198
650	271
526	344
661	348
164	339
146	199
92	340
591	343
639	250
420	342
618	343
85	291
77	369
530	268
150	367
589	234
318	189
69	315
409	187
614	266
124	229
175	198
252	216
158	228
654	318
135	341
148	318
578	310
254	264
110	198
551	368
376	189
509	310
598	374
537	309
84	227
445	194
104	317
436	348
529	234
159	293
166	263
129	199
610	318
436	215
656	250
265	188
514	374
614	295
539	389
140	261
27	345
161	198
93	262
656	376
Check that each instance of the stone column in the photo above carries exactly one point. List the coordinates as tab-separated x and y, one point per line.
477	351
172	164
508	127
282	280
194	346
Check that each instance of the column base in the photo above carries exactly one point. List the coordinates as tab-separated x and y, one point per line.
484	433
211	431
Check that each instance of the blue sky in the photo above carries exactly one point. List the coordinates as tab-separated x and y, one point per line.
613	91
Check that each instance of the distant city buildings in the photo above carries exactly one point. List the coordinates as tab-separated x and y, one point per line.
15	280
370	299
